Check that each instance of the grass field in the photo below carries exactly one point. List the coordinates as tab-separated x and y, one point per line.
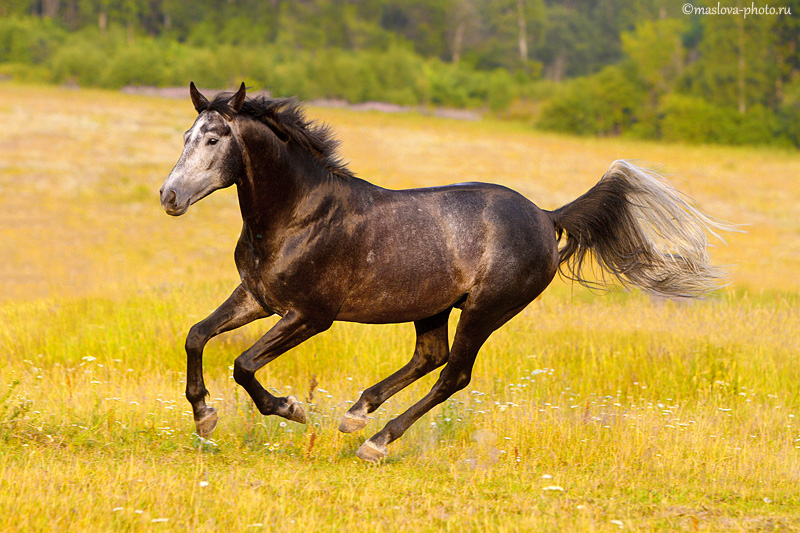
587	412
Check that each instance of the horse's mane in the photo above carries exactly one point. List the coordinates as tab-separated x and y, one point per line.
286	118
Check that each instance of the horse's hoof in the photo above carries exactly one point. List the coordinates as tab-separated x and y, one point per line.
295	412
206	425
351	422
371	452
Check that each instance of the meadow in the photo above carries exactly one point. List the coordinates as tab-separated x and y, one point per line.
590	411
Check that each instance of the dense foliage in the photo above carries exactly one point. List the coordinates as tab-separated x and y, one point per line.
633	67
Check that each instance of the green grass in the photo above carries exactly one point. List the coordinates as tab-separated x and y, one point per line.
589	412
639	422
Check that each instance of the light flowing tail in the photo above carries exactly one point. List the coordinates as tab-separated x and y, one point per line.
642	232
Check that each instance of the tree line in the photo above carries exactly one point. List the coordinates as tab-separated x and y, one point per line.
599	67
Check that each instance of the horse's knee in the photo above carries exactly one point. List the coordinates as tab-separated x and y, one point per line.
241	373
463	379
450	383
195	340
457	381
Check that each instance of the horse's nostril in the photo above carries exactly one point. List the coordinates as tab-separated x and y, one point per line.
169	197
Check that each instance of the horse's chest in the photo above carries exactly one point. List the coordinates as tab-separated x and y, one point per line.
255	272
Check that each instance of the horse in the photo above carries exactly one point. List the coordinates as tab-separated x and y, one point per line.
319	244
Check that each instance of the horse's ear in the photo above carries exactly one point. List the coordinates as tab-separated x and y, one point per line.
200	102
237	100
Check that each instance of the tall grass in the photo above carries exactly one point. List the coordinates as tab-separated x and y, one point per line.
580	413
601	412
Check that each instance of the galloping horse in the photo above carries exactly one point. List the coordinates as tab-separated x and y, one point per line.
319	244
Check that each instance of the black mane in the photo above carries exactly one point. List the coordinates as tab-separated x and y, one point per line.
285	117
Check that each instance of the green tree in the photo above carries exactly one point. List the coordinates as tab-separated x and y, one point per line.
656	48
736	64
421	22
787	46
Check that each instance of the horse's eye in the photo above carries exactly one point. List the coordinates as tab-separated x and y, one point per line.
213	140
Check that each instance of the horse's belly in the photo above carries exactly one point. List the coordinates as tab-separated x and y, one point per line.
389	310
402	297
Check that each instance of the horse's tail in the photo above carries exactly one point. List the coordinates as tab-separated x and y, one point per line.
639	230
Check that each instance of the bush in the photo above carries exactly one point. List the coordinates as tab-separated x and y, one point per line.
26	73
28	40
341	74
220	68
450	85
603	104
396	76
460	86
789	112
139	63
500	90
291	75
79	63
393	73
758	126
789	118
690	119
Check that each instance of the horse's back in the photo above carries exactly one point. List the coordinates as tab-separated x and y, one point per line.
421	250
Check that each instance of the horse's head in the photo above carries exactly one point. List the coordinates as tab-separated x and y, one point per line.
210	159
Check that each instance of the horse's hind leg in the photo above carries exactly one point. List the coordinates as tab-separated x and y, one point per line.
431	352
473	330
239	309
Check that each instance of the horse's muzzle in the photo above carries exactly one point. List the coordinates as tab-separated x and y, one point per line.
169	201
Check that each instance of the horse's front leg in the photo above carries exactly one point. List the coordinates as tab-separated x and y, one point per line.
239	309
287	333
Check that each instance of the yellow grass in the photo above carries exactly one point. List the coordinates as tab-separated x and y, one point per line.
591	412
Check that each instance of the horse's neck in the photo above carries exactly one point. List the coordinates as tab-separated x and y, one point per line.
285	185
281	192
